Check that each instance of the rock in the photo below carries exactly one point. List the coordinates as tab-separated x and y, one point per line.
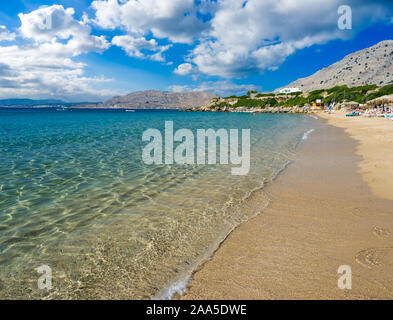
154	99
371	66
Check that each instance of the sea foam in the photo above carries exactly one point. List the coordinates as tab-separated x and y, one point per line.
306	134
179	287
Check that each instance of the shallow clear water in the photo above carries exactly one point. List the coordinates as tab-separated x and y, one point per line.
76	196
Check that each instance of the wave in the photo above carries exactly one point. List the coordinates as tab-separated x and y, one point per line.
180	288
306	134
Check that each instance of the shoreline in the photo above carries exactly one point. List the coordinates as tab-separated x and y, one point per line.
293	248
178	286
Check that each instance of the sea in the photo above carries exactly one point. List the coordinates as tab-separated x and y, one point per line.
77	200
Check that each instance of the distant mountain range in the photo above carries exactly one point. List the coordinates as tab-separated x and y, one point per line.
154	99
373	65
29	102
151	99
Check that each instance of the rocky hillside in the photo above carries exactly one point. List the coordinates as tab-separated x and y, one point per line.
154	99
370	66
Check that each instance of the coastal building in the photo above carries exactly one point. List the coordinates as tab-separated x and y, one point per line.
290	90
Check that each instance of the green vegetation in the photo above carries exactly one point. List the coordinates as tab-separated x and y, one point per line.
248	103
272	102
296	101
255	103
337	89
299	100
365	89
386	90
222	105
249	93
357	94
262	95
317	92
360	94
294	93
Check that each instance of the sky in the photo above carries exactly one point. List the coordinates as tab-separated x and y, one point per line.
85	50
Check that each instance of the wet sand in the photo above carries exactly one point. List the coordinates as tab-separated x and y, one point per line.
322	214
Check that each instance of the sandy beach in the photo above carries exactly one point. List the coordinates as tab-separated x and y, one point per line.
332	206
375	146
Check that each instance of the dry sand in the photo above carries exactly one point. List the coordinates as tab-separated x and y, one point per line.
375	137
322	215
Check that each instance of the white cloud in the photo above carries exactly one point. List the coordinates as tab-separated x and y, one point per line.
140	47
45	67
175	20
252	36
238	37
184	69
220	88
49	24
6	35
32	72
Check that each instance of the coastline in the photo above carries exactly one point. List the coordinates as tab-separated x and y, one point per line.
322	214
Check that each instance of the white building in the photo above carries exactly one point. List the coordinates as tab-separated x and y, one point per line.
290	90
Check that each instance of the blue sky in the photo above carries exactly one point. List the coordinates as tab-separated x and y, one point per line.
84	50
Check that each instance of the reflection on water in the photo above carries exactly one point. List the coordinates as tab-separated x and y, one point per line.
75	195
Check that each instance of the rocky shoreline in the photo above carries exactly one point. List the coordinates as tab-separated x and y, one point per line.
278	109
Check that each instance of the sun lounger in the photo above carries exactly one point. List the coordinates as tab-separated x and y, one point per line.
355	114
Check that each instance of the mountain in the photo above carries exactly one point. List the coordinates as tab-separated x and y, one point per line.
373	65
154	99
29	102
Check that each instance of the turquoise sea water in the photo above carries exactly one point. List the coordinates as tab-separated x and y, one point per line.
76	196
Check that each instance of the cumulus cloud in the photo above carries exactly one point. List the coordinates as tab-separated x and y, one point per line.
176	20
220	88
140	47
32	72
252	36
5	34
45	66
49	24
234	38
183	69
